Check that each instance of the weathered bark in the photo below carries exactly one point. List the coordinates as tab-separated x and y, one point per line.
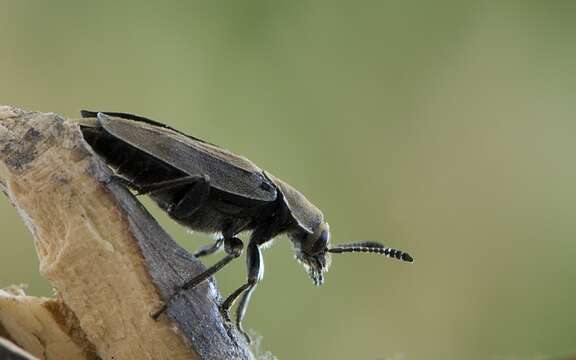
109	261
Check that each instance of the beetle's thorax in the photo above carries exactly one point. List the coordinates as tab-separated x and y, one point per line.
305	214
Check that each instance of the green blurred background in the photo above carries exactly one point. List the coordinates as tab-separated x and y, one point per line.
443	128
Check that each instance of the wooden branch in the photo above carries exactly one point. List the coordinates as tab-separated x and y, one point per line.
109	261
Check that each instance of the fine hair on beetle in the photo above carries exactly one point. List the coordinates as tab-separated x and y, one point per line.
209	189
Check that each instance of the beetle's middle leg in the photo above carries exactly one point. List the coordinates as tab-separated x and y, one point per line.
209	249
231	231
233	247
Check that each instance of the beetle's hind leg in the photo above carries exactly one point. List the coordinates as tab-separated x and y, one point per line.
193	196
194	193
180	182
124	182
159	186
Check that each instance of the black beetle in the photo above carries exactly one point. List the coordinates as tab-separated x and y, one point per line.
209	189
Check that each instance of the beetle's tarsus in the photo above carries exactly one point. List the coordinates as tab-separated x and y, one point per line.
155	315
121	180
245	334
138	190
225	314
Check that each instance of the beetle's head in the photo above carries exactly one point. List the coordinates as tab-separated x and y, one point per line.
311	251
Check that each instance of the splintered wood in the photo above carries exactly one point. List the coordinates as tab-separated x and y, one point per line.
42	326
109	262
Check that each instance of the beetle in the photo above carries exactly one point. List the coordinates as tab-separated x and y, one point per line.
209	189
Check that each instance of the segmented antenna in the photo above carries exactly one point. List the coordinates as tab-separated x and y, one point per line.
371	247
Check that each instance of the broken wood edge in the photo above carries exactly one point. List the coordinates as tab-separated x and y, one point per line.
44	327
109	261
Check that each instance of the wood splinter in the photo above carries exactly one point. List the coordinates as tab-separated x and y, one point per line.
108	260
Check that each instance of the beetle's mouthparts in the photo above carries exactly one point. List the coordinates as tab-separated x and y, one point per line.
371	247
315	266
316	276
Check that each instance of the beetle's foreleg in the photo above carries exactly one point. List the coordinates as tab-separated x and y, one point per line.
241	310
255	272
233	247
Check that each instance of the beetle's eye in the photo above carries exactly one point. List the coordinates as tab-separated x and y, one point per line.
321	243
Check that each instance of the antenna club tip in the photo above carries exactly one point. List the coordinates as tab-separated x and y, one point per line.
406	257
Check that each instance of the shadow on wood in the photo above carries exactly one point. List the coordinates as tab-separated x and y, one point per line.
9	351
